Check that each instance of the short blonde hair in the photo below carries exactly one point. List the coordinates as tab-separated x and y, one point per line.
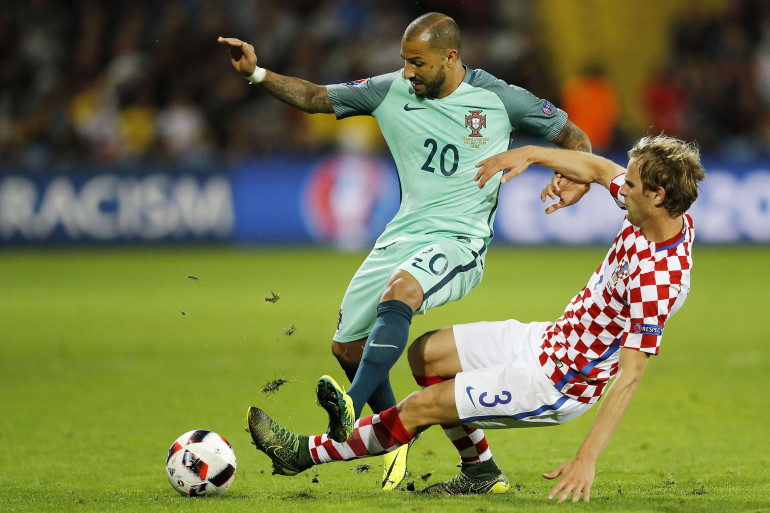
673	165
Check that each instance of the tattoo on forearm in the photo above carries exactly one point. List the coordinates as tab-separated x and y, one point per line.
298	93
572	137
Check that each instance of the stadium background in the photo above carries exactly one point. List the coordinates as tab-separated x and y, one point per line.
124	122
150	200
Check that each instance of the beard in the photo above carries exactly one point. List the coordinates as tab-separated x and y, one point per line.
433	87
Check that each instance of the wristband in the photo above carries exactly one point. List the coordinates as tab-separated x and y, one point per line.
258	75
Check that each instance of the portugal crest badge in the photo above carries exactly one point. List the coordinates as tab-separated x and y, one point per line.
476	121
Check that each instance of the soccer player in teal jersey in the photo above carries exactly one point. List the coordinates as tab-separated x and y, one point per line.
439	118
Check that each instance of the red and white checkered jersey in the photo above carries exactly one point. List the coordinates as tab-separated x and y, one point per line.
626	303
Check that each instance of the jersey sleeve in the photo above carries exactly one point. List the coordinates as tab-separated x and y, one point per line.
533	115
615	186
652	293
525	110
360	97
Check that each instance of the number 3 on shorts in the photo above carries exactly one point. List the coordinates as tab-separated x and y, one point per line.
505	399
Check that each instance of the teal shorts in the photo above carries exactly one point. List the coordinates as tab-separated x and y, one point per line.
446	268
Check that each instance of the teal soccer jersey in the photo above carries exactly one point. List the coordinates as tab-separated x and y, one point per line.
436	144
440	233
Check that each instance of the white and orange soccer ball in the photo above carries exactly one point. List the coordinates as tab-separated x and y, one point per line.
201	463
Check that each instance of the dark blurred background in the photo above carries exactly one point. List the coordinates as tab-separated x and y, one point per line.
91	86
130	82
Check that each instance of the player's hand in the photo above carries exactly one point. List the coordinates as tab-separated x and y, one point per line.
513	162
577	475
242	55
565	191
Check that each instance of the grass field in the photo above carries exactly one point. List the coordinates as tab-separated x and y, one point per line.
106	356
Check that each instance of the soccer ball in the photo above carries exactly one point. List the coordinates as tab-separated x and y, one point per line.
201	463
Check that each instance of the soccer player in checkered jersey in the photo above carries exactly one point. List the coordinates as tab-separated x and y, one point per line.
510	374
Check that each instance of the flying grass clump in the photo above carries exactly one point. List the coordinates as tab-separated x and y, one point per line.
274	385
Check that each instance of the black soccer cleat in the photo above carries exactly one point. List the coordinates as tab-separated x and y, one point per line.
288	450
332	398
477	479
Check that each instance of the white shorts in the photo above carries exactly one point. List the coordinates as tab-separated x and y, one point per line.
502	384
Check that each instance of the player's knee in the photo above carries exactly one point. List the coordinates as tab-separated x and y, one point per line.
416	353
403	287
346	354
416	412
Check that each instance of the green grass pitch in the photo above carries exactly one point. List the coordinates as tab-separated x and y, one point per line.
106	356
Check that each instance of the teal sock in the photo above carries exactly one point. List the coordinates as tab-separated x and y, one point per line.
382	398
383	349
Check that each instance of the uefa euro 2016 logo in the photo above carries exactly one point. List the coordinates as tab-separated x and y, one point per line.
348	199
475	122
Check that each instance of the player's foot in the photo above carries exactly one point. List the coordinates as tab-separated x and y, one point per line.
332	398
288	450
395	467
476	479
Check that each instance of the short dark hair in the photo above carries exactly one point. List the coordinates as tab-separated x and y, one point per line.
672	164
439	29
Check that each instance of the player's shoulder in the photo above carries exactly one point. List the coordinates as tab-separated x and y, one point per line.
525	110
377	81
389	78
360	97
481	79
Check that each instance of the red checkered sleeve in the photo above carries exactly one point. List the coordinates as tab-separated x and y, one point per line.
615	186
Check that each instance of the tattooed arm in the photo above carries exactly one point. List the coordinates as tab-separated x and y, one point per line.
572	137
296	92
561	188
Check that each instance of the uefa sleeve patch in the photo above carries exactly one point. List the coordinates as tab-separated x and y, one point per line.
548	108
356	82
647	329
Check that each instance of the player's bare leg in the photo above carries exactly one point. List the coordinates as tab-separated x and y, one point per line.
433	359
435	354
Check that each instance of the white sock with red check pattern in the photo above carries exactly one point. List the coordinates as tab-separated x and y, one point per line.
470	443
372	436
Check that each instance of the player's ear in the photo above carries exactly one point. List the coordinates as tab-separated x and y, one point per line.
451	58
660	195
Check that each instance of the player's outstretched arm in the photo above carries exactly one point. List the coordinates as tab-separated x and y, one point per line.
577	166
577	474
296	92
567	192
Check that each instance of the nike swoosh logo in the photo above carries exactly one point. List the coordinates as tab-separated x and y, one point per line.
408	108
468	391
381	345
